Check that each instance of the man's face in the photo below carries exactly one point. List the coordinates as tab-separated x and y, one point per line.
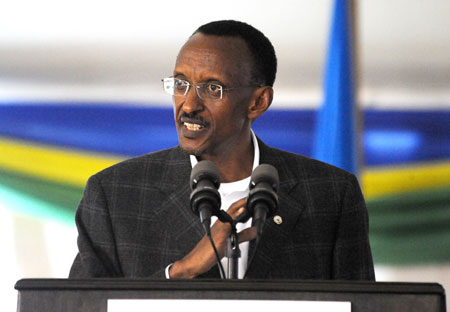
207	127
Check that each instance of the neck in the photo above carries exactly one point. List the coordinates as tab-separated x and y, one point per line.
234	165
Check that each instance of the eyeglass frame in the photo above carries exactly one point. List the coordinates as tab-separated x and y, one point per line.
201	86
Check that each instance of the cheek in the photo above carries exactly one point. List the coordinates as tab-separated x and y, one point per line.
231	119
177	105
240	110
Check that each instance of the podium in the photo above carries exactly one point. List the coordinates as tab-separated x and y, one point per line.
51	295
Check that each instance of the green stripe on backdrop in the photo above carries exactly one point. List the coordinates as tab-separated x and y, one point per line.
411	228
61	199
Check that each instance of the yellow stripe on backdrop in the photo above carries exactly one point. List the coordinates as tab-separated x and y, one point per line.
74	167
378	182
52	163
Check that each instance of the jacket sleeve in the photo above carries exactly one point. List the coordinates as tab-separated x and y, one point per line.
352	257
97	251
97	255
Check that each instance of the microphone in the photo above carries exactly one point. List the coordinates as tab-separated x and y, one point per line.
262	201
205	199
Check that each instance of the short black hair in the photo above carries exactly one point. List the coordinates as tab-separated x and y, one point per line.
261	49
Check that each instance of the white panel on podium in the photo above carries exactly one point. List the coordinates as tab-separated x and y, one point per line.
176	305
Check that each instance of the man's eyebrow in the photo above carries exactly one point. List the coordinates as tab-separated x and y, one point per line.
215	80
207	80
175	74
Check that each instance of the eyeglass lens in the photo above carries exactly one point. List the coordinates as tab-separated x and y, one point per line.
179	87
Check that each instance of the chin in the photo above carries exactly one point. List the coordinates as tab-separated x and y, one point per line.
192	150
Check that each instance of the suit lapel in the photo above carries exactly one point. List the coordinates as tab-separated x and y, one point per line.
177	204
175	186
262	256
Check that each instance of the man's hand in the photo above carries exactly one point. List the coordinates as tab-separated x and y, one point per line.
202	258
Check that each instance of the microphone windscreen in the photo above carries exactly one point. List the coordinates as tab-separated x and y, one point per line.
205	169
265	173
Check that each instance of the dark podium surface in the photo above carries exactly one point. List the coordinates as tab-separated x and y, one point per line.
92	295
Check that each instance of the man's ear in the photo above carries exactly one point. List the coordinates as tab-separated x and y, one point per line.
261	101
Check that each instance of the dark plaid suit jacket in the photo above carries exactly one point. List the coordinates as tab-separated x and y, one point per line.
134	220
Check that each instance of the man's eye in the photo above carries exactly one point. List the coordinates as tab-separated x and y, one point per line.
180	83
213	88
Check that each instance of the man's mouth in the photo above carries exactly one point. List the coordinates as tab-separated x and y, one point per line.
193	126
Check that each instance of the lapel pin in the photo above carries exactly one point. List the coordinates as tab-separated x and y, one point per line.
278	220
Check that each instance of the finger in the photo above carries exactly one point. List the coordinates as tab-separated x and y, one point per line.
237	204
247	235
237	208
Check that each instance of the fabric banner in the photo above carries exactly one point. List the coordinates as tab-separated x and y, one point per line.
335	131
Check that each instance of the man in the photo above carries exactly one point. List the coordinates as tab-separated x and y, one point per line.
135	221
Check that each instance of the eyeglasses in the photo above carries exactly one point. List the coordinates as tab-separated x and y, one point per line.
205	91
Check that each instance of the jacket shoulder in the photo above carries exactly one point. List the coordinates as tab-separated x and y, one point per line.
145	168
308	168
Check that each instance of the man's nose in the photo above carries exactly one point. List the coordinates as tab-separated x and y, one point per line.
192	102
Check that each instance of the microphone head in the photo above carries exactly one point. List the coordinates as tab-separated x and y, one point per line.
262	201
205	198
265	173
204	169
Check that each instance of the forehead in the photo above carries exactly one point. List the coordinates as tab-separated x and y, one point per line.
206	57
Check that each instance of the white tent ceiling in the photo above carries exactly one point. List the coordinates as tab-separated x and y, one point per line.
110	49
